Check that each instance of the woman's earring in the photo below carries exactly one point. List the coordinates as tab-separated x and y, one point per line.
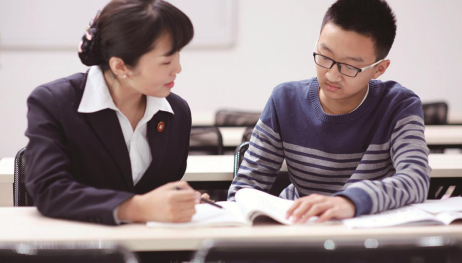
124	76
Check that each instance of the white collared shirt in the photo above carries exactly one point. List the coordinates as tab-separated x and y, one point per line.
96	97
365	96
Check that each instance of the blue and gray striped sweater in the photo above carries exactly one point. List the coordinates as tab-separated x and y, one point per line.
376	155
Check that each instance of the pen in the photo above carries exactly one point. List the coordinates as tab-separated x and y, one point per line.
211	203
203	200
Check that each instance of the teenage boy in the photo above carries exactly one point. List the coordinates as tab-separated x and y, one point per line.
353	145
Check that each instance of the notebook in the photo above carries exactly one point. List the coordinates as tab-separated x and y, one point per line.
251	207
257	207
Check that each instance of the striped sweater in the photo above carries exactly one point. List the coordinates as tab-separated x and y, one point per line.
376	155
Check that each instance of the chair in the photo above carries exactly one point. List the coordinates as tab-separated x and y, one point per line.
247	134
239	156
435	113
69	253
234	118
205	140
444	187
21	196
282	181
436	249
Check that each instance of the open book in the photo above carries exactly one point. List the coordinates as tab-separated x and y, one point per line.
251	207
431	212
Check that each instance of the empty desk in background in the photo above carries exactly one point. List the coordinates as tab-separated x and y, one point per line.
6	181
220	168
447	136
216	172
232	136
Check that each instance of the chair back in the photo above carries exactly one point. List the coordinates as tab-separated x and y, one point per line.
426	249
21	196
247	134
435	113
68	253
205	140
282	180
239	156
233	118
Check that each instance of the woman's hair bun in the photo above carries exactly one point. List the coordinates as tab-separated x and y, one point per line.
128	29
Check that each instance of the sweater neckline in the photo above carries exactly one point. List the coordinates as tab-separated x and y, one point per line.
366	105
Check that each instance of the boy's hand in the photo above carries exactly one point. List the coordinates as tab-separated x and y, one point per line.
326	207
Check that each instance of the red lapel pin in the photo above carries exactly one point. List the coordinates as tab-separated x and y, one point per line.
160	126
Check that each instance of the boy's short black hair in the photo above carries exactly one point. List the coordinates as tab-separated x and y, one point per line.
370	18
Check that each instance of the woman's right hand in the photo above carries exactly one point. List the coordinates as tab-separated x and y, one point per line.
172	202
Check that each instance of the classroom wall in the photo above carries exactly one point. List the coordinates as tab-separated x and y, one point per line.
274	43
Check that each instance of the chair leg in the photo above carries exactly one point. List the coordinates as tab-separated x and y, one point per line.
443	190
457	191
432	191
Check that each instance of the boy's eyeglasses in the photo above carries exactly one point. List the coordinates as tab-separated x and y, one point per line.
344	69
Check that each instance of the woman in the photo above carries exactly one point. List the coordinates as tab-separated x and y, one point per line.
110	145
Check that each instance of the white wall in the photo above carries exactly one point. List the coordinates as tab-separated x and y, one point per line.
274	44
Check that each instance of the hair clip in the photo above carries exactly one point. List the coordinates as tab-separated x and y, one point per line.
93	21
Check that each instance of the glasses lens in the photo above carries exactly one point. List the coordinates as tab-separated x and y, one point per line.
348	70
322	61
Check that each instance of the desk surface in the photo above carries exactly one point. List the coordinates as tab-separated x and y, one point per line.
220	167
25	224
208	117
434	135
6	170
443	134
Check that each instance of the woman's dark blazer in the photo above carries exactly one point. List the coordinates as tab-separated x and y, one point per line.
77	164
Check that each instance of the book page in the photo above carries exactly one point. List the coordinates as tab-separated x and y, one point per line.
254	203
401	216
453	204
208	215
448	217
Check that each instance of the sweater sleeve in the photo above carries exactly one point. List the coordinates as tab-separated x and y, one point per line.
409	156
263	160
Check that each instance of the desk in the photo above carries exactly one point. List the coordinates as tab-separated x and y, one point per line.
25	224
232	136
444	135
208	117
218	170
6	181
435	135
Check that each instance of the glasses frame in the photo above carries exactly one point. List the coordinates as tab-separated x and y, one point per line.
339	65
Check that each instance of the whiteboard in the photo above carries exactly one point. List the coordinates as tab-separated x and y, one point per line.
60	24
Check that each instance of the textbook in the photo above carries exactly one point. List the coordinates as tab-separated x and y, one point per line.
255	207
431	212
251	207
